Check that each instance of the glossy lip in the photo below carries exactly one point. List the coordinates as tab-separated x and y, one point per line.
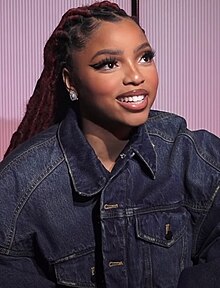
134	107
133	93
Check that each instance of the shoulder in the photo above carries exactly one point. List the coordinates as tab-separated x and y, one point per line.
165	125
34	154
21	174
172	128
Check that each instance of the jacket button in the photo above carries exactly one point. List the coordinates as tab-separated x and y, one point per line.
169	234
122	155
93	275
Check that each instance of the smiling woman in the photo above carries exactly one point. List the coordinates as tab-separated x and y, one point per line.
97	189
115	78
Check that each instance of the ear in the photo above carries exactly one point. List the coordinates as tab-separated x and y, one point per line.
67	79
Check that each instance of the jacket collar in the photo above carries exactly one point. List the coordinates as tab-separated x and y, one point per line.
88	175
143	148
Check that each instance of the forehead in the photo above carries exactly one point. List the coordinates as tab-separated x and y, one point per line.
112	34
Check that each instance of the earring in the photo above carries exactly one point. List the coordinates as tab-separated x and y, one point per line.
73	95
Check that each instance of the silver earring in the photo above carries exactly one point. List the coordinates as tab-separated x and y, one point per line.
73	95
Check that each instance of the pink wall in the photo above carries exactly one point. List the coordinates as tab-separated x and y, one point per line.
185	35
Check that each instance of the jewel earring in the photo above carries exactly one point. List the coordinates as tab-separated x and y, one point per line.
73	95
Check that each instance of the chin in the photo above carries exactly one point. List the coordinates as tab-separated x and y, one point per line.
137	120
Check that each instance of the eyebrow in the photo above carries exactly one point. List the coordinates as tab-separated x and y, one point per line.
142	46
120	52
108	51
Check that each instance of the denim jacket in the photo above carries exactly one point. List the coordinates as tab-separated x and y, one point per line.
153	221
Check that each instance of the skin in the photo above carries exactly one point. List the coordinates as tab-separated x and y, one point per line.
107	123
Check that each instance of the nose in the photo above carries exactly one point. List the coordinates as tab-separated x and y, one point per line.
133	75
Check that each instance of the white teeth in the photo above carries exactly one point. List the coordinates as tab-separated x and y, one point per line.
132	99
135	98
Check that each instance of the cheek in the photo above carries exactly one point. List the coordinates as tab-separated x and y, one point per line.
104	84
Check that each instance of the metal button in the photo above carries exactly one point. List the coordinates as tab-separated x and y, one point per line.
93	278
169	234
122	155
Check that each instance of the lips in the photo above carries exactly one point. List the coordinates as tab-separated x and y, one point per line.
133	100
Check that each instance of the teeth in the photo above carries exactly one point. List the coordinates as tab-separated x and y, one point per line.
132	99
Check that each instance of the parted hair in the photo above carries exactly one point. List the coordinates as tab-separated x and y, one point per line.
50	100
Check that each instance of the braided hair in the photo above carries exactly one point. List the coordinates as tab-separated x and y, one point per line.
50	100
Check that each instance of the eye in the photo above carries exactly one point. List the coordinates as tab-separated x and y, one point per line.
106	64
147	57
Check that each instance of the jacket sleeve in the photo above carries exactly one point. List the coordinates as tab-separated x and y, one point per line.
17	270
22	272
206	271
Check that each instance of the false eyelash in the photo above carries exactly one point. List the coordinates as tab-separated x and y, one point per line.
104	62
149	54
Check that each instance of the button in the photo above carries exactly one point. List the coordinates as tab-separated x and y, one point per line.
110	206
169	234
93	271
122	155
93	278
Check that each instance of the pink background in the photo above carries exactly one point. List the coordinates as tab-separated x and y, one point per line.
184	33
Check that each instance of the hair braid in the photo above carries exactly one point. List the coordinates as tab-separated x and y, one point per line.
50	100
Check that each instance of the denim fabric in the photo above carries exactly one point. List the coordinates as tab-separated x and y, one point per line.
65	221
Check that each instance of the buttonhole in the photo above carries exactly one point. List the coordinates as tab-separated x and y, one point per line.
115	263
110	206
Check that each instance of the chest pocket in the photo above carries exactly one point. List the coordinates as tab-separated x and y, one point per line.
161	228
77	270
164	241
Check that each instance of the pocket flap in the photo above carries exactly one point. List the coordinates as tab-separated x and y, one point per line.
163	228
76	270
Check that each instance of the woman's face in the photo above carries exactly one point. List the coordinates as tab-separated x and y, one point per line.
115	76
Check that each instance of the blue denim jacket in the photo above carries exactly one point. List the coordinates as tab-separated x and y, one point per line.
154	221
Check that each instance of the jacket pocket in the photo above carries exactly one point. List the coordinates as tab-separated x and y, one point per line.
163	238
76	270
161	228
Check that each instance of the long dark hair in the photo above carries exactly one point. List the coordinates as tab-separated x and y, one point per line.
50	100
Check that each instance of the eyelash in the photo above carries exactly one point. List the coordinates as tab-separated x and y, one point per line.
107	61
149	55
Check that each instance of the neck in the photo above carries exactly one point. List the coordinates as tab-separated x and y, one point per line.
106	145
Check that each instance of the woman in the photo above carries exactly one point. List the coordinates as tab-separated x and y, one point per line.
104	192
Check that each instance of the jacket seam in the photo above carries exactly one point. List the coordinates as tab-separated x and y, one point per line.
203	219
162	136
22	253
197	150
16	160
24	199
200	154
65	156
